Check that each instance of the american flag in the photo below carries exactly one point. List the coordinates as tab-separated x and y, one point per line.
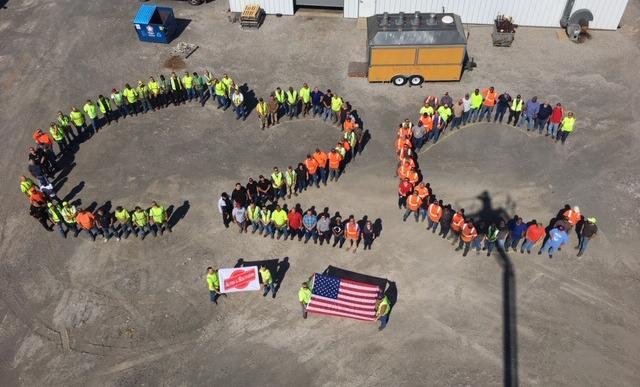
341	297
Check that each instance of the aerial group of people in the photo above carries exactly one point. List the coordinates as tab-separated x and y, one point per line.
417	199
255	206
436	115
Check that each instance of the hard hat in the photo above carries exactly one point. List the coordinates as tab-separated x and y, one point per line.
576	208
592	220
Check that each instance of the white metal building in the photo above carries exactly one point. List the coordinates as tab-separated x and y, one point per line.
538	13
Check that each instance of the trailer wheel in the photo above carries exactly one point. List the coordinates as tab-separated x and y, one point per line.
415	80
196	2
398	80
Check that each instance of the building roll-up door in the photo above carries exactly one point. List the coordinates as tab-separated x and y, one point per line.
321	3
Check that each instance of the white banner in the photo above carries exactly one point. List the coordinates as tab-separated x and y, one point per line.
239	279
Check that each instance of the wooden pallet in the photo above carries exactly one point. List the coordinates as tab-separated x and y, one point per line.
250	12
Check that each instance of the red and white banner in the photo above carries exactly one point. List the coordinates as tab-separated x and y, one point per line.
239	279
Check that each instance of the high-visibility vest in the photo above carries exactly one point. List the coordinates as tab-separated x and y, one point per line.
254	214
426	109
290	177
435	212
336	103
143	92
262	108
404	131
238	99
68	214
414	202
56	133
54	213
158	214
476	101
312	165
63	121
292	97
387	309
305	94
404	169
227	82
77	118
321	158
492	234
176	84
457	222
104	105
213	282
140	218
352	230
516	106
123	216
572	216
187	81
265	216
334	160
154	88
444	112
220	89
265	274
468	233
117	98
490	98
280	96
131	95
567	124
208	79
279	218
277	179
351	137
90	109
25	186
413	177
422	192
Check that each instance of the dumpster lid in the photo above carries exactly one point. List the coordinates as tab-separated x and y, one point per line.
145	13
415	29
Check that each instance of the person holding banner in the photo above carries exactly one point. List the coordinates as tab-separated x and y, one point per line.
304	296
267	281
382	311
214	284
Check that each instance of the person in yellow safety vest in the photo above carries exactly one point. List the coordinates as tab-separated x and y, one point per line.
281	98
304	296
213	284
253	214
209	82
64	122
164	96
140	222
305	97
476	104
292	103
91	110
222	95
69	212
187	82
122	225
336	105
340	149
199	86
264	224
26	183
444	112
105	108
58	136
566	127
515	110
118	101
267	281
143	97
158	218
238	104
383	307
132	99
78	120
56	218
352	139
228	83
154	92
426	109
177	90
278	184
263	113
291	178
279	218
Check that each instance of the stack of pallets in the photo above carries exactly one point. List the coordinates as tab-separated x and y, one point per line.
252	16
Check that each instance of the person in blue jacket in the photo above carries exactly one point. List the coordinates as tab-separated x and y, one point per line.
557	237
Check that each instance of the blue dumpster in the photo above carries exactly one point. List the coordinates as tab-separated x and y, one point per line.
155	24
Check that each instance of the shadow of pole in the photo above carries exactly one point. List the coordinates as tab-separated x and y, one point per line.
509	326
